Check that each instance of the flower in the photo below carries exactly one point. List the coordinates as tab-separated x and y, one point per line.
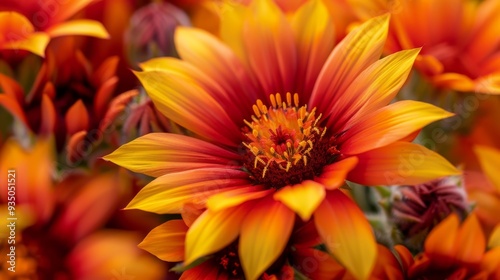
48	20
256	165
69	98
454	251
417	209
459	46
56	236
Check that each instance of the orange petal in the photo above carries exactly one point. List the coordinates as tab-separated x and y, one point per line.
83	27
185	102
374	88
75	148
235	197
77	118
264	234
216	60
346	233
48	116
400	163
454	81
470	241
68	9
270	47
213	231
169	193
360	48
489	158
157	154
441	243
405	256
491	262
103	96
333	176
12	89
11	105
302	198
389	124
315	38
166	241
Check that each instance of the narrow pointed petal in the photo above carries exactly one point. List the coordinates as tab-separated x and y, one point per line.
374	88
489	158
388	125
218	61
315	38
471	241
264	234
166	241
400	163
346	233
17	33
77	118
270	46
169	193
491	262
302	198
11	105
334	175
442	240
360	48
68	9
83	27
185	102
48	116
235	197
213	231
157	154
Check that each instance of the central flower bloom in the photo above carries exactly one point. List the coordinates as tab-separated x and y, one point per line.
296	155
285	144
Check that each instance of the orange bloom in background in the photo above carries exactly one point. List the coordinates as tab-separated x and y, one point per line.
460	46
455	251
69	97
53	217
483	187
261	154
29	25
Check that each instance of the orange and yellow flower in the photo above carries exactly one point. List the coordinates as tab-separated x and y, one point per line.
455	251
458	38
254	163
29	25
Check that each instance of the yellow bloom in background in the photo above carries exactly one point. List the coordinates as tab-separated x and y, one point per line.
459	39
282	118
29	25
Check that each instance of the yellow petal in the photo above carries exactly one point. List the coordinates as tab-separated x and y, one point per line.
454	81
374	88
213	231
169	193
157	154
360	48
489	158
389	124
83	27
400	163
186	103
494	240
166	241
264	235
235	197
36	43
346	233
314	37
302	198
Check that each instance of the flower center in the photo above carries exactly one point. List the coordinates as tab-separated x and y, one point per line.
285	144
